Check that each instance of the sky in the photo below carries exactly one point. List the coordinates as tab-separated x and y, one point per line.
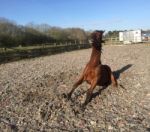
86	14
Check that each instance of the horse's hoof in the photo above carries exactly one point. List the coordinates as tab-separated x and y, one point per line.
115	85
66	96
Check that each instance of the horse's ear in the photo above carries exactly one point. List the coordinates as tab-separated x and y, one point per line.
103	31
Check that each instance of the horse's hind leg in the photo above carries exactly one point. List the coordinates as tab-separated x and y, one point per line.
76	84
113	80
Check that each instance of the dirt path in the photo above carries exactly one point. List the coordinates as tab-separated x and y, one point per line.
31	93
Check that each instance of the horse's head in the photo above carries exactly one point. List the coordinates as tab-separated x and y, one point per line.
96	39
96	36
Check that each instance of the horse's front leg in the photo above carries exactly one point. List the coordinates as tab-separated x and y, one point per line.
76	84
89	93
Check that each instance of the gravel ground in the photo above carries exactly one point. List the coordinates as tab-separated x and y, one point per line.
31	93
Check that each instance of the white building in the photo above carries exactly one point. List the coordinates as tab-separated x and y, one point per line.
128	37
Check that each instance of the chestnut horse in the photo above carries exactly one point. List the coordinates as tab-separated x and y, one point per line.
95	73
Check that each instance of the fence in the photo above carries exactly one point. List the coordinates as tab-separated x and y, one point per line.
39	51
111	41
115	41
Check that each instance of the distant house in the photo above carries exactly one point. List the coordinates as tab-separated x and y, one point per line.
132	36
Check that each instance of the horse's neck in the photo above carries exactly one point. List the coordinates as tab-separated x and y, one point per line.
95	57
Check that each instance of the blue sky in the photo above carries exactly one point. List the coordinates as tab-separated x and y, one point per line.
86	14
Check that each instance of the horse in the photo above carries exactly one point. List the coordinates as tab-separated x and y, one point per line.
94	72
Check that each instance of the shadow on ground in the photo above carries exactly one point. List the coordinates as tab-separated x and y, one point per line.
118	72
148	129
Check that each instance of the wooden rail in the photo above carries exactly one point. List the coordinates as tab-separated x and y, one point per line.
36	52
